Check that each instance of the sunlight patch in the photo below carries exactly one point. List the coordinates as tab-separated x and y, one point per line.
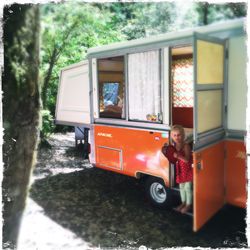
40	232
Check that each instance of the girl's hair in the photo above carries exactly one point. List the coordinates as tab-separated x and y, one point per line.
180	129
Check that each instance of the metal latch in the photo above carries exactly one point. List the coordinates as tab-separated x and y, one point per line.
199	166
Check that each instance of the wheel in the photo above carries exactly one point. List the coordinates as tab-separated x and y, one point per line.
158	194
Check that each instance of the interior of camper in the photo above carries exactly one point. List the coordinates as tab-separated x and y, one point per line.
182	94
182	99
111	87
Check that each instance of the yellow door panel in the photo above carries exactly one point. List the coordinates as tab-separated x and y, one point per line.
209	110
210	57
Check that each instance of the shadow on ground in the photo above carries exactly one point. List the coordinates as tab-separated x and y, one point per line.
109	210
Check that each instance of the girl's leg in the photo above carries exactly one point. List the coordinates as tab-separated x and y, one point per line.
189	192
183	192
189	197
183	197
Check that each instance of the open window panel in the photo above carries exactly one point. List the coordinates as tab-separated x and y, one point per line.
208	149
111	86
74	82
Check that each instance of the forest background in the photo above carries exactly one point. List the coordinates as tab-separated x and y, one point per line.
67	33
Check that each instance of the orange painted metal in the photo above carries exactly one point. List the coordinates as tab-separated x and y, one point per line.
131	151
109	157
208	183
235	173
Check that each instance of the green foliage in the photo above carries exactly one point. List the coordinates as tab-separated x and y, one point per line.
209	13
47	124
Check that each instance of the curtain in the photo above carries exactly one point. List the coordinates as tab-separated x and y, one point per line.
144	85
182	79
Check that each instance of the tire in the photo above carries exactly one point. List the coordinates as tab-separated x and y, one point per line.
157	193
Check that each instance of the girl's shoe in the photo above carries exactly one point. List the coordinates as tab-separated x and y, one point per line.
180	207
185	209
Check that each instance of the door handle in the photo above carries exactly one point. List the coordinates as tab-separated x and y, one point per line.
199	165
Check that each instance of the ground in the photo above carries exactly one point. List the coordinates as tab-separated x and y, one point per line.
75	206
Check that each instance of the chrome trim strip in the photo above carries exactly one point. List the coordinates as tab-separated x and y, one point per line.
208	143
235	134
208	140
209	87
131	124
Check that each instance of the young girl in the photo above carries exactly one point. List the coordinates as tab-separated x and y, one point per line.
184	171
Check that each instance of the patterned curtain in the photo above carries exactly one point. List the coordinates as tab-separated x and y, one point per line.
182	79
144	85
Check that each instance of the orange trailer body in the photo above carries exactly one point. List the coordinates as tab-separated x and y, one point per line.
236	173
208	183
131	151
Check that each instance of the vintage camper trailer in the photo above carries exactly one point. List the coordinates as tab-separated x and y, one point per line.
127	95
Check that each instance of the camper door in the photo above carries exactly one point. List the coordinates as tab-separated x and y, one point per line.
209	68
73	99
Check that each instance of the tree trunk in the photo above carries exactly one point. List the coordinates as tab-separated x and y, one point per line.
52	63
21	105
205	13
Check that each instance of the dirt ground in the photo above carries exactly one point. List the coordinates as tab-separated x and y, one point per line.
75	206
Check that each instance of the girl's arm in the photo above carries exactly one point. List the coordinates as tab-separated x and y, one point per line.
187	153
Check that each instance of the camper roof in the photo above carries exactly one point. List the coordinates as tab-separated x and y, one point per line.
230	27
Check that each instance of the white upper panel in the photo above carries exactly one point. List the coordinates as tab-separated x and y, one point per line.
215	27
237	83
73	101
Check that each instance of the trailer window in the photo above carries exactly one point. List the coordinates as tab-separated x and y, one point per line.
111	87
144	86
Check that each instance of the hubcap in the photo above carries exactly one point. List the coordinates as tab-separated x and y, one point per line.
158	192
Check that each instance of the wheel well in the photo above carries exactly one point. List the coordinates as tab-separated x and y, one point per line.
143	176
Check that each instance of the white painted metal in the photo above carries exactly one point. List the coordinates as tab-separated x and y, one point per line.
166	95
95	88
73	100
237	83
92	156
217	27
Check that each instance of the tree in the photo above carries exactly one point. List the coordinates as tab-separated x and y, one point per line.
209	13
137	20
67	33
20	111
